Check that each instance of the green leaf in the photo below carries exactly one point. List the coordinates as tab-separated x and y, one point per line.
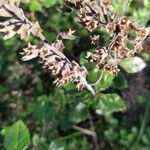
17	137
35	6
75	144
76	113
49	3
35	140
108	103
133	64
42	110
57	146
105	82
94	75
120	82
4	131
3	90
147	4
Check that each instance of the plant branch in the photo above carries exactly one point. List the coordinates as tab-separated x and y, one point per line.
84	131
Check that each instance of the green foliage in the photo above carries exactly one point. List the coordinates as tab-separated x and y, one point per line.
27	92
3	90
57	146
105	82
17	137
120	82
108	103
73	144
133	64
42	110
35	6
76	113
50	3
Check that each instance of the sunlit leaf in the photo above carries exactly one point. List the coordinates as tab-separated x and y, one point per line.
76	113
35	6
49	3
108	103
17	137
57	146
133	64
105	82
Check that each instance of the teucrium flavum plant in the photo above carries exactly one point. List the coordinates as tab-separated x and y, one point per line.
92	14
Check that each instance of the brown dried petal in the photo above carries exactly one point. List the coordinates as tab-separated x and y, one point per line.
24	31
36	29
68	35
4	13
59	45
30	52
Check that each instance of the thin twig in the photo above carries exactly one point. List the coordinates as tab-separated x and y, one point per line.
84	131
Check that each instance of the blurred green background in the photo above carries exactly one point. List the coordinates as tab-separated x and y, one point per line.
36	115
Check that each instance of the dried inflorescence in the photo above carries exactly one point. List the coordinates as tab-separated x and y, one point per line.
51	55
21	26
92	14
57	63
14	26
97	14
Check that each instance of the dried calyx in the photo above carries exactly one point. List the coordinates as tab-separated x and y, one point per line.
92	14
51	55
97	14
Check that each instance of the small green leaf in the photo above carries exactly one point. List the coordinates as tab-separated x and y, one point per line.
49	3
76	113
133	64
42	110
93	75
35	6
105	82
3	90
120	82
35	140
17	137
57	146
108	103
4	131
147	4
